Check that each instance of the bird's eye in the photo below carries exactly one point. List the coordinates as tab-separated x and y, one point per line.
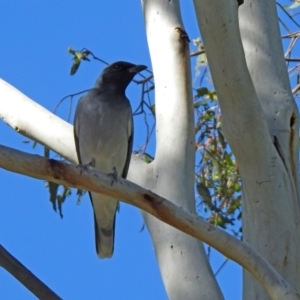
117	67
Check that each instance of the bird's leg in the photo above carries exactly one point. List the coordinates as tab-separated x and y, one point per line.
113	175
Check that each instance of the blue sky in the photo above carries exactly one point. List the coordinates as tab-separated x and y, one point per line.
35	36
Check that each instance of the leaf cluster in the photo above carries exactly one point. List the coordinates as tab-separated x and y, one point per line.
218	183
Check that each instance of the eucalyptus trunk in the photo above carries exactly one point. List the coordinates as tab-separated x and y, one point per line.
260	122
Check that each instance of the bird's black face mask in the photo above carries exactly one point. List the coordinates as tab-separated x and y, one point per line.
119	74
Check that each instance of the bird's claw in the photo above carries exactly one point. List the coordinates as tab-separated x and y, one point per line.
86	167
113	175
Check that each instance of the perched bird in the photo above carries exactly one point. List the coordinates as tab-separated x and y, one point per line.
103	132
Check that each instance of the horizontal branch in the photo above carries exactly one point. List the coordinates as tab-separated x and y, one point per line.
292	59
78	177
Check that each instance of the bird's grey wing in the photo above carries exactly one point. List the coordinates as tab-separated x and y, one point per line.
104	208
129	150
120	147
96	139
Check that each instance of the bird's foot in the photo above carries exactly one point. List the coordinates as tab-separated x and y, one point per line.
88	166
113	175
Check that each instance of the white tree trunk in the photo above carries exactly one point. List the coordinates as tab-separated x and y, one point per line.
182	260
260	123
271	209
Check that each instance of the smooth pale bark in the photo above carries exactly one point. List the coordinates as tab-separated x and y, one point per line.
277	217
161	208
182	260
270	197
34	121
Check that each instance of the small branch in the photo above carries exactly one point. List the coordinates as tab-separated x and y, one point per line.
27	278
292	59
296	89
284	11
146	79
161	208
64	98
95	57
291	35
221	267
195	53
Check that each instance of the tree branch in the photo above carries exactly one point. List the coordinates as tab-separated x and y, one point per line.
27	278
15	108
161	208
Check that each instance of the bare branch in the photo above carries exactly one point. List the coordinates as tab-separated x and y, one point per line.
27	278
195	53
291	17
296	89
161	208
292	59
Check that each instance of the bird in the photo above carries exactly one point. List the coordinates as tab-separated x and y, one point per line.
103	134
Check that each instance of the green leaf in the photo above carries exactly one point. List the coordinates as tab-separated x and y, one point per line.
152	108
46	152
221	139
53	188
208	115
228	160
61	199
202	91
204	193
237	187
78	57
197	104
234	206
147	158
70	50
75	67
201	59
213	95
80	194
292	6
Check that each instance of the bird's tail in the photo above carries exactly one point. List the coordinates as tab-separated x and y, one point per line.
104	217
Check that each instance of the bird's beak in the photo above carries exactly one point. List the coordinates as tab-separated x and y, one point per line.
137	69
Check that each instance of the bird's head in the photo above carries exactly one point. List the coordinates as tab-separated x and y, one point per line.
118	75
